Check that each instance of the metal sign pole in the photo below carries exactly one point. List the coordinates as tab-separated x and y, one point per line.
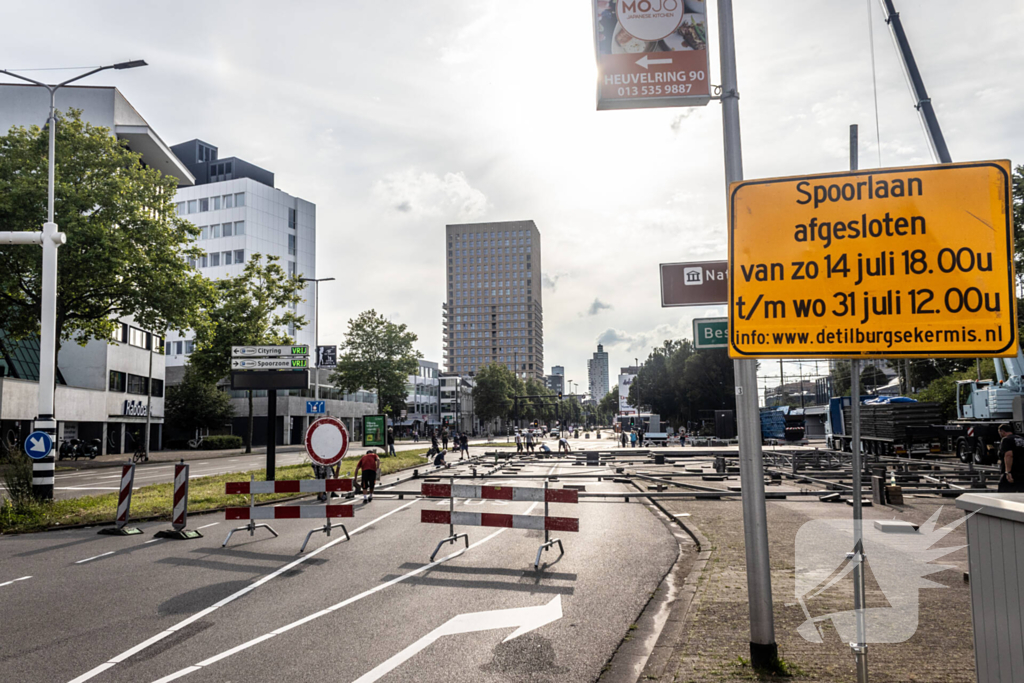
763	649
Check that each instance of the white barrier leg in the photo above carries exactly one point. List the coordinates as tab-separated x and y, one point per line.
548	542
452	536
252	526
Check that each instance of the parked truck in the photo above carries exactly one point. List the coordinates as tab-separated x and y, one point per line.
981	406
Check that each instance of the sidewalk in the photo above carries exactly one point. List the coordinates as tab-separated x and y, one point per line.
118	459
709	638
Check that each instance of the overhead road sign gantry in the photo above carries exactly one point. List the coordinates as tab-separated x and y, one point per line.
269	351
898	263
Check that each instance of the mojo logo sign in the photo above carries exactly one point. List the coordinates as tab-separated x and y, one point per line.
650	19
899	563
134	409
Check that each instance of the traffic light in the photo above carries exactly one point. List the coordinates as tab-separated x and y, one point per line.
559	395
444	422
632	421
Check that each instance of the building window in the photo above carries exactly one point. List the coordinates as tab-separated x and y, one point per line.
216	203
202	261
215	229
227	258
180	208
117	380
239	227
136	337
158	387
239	256
190	346
227	230
193	206
170	348
177	348
227	201
137	385
240	199
204	205
291	245
291	269
227	167
215	259
292	218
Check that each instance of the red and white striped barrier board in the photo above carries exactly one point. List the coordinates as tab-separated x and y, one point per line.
291	486
290	511
535	522
179	511
124	500
526	494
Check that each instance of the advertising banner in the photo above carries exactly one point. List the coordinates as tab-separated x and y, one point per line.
625	381
374	428
894	262
651	53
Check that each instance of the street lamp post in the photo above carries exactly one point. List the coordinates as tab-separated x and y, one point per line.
316	334
50	239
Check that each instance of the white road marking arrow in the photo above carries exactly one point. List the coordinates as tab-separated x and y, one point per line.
525	618
643	61
37	445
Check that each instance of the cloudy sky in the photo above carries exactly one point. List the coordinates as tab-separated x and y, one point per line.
398	117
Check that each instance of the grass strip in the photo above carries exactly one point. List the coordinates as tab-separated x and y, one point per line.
154	501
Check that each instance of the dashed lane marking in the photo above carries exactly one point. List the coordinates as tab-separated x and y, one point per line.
94	557
231	598
8	583
206	525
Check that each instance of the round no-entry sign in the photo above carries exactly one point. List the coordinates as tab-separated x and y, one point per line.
326	441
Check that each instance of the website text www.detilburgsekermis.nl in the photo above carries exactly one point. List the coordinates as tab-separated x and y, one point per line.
890	339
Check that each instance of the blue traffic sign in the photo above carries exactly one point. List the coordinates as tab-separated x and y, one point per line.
316	407
38	445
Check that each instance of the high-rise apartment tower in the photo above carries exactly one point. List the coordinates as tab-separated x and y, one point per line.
493	312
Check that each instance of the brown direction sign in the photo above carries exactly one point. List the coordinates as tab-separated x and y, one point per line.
895	262
697	283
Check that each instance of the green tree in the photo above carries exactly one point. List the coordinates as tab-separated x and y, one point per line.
127	251
492	395
709	381
608	407
250	310
196	404
536	408
872	377
377	354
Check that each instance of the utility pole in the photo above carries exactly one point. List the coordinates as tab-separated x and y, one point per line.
764	652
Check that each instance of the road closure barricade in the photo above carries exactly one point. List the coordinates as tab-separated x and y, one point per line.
124	504
179	507
252	513
544	523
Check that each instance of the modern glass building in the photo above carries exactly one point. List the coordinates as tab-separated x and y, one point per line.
494	312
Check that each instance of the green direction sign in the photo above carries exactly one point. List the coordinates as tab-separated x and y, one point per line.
374	428
711	333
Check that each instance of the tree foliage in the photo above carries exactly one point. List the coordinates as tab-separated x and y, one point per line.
254	308
196	404
608	407
377	354
492	395
127	250
680	383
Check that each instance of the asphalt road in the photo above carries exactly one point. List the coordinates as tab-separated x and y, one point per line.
104	608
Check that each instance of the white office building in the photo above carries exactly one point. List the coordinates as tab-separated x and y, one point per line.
240	213
597	374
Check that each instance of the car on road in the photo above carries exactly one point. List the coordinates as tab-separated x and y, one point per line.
554	432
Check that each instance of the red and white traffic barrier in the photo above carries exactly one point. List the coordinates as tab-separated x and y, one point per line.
252	513
290	512
290	486
534	522
515	494
545	523
124	504
179	507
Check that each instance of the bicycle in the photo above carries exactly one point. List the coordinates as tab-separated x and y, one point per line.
198	441
140	454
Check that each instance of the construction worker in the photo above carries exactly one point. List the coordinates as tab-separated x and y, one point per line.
370	465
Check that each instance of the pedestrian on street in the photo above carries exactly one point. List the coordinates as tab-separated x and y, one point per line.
463	445
444	439
529	441
1011	450
322	472
391	441
519	442
632	438
640	437
369	464
434	446
563	445
439	459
